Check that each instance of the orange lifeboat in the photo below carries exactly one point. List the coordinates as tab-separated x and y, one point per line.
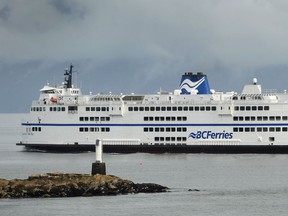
53	100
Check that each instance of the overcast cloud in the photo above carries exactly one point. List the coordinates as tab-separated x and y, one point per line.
139	45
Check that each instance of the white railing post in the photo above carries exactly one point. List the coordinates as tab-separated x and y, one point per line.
99	151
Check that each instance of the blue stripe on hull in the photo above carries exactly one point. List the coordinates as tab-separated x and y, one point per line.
153	125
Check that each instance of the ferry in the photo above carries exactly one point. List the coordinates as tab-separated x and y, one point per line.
192	119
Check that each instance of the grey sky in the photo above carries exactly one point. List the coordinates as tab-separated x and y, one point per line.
139	45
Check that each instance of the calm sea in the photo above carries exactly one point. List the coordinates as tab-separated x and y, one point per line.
247	184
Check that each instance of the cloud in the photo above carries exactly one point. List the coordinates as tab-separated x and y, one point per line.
245	33
154	40
4	12
67	8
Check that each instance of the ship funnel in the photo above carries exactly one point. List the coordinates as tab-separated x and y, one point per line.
194	82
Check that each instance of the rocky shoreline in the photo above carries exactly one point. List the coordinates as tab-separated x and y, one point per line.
72	185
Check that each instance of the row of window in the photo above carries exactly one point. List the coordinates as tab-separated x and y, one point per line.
34	129
174	108
168	144
165	129
160	108
51	109
94	129
57	109
74	91
260	118
92	118
260	129
166	118
38	109
253	108
105	99
243	97
169	139
97	109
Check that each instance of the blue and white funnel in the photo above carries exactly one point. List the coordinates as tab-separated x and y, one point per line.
191	82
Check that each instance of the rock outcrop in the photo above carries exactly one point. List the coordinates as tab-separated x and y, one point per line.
71	185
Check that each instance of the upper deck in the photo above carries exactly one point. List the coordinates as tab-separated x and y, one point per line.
194	89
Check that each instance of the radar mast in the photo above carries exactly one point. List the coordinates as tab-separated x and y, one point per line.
68	77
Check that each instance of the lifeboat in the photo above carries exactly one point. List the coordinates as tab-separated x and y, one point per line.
53	100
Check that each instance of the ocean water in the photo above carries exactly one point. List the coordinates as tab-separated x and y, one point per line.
248	184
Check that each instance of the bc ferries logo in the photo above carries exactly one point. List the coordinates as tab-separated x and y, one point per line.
188	85
211	135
